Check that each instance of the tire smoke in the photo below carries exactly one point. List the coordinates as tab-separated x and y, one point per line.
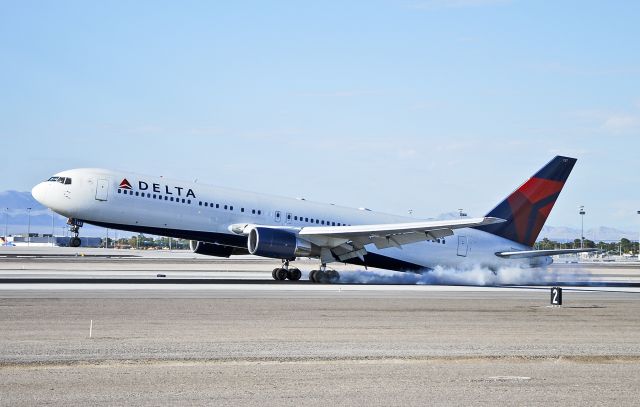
477	276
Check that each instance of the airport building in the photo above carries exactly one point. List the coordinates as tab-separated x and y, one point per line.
47	240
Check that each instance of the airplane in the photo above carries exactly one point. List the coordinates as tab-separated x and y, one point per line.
224	222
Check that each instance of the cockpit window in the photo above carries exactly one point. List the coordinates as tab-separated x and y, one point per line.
62	180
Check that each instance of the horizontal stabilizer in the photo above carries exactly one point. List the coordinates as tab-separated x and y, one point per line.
523	254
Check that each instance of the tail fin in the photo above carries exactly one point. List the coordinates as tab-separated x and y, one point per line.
528	207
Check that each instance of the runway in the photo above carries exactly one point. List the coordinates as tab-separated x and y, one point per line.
241	338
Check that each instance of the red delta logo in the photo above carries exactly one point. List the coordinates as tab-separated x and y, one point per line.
124	184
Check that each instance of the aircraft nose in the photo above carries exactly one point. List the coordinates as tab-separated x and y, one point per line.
39	193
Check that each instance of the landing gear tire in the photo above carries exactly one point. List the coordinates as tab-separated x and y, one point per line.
324	276
333	276
273	273
75	242
281	274
312	276
294	274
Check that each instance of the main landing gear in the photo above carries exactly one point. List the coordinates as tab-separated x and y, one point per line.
323	275
285	272
74	228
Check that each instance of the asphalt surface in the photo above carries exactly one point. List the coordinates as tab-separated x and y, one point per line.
267	343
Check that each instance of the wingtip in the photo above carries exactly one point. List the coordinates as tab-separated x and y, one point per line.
491	220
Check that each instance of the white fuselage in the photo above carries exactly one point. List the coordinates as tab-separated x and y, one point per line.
174	208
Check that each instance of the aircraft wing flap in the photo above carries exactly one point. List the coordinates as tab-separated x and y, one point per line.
523	254
389	235
391	229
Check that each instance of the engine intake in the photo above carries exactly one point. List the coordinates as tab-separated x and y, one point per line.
279	244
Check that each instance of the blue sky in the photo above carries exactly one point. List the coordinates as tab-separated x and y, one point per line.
430	105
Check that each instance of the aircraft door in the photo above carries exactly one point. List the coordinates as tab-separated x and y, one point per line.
102	190
463	246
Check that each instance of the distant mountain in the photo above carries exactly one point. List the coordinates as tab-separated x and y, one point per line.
563	233
602	233
41	217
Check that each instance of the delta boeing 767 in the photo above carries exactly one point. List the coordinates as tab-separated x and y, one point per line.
224	222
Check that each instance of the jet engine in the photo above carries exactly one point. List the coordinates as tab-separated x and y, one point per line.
279	244
210	249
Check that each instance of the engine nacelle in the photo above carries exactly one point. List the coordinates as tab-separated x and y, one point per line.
279	244
210	249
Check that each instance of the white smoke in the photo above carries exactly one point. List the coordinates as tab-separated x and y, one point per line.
477	276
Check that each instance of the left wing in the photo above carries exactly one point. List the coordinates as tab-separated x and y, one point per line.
347	242
523	254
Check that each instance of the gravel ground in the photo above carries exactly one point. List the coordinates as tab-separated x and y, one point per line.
486	349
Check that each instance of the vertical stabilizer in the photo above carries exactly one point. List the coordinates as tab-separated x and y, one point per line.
528	207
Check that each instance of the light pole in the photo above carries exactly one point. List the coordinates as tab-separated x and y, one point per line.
53	228
638	242
29	227
6	222
582	213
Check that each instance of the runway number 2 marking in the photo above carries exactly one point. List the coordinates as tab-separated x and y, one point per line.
556	296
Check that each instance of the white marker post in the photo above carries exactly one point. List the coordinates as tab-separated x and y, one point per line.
91	329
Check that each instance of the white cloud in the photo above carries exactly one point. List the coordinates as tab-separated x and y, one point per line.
610	122
621	123
440	4
339	93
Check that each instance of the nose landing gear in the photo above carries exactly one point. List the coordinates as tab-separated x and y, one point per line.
74	228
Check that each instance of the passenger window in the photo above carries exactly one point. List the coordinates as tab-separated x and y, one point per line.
231	208
217	206
189	201
333	223
119	191
225	207
259	212
322	222
295	218
241	209
183	200
253	211
306	219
